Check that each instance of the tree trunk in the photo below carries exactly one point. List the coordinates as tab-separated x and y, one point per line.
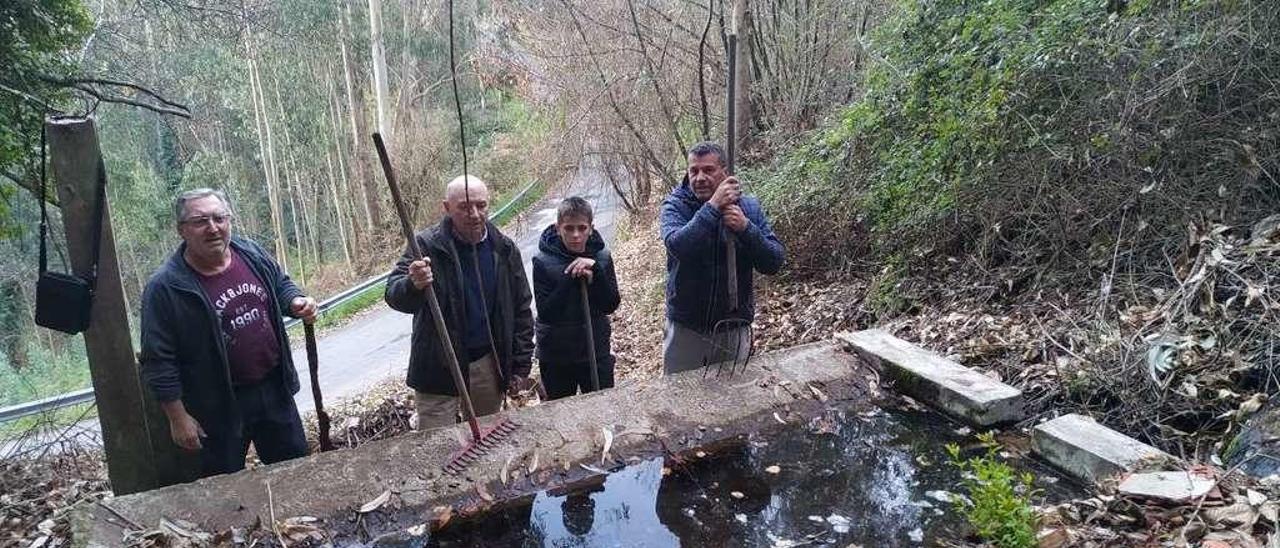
13	324
359	127
378	53
341	176
337	208
291	178
269	159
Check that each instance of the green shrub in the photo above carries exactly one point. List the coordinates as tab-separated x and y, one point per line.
1030	130
998	503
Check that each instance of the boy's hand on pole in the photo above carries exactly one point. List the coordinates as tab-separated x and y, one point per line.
581	267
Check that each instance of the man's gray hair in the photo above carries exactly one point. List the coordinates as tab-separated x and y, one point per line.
180	203
709	147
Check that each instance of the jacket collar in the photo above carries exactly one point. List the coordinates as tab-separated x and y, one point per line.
180	274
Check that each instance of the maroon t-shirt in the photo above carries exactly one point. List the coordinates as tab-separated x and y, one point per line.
242	305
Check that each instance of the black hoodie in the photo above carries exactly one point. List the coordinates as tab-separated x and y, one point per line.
561	332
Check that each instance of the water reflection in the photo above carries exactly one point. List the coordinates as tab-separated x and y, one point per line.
856	479
622	508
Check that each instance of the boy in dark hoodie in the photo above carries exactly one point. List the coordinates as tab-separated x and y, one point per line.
570	251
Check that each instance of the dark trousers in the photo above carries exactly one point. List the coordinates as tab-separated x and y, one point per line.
270	422
566	379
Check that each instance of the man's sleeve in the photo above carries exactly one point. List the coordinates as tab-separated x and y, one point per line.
522	338
762	245
552	288
159	356
687	239
400	294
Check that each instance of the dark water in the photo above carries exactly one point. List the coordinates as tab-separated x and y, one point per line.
873	479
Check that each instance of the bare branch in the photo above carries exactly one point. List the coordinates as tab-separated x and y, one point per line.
30	186
86	86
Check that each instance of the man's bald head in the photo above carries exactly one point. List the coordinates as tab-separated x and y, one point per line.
466	203
460	187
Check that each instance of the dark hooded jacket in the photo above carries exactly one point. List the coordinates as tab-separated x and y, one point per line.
183	353
697	296
509	314
560	327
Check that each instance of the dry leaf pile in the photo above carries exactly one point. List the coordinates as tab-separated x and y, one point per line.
1178	361
640	261
383	411
37	493
1232	514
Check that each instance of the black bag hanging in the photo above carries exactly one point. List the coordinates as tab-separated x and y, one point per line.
64	301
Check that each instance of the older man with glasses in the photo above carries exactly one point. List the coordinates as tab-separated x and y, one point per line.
214	349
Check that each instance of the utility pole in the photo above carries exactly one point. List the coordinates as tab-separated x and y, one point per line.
140	454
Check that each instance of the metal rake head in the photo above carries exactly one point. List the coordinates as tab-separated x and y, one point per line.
476	448
726	339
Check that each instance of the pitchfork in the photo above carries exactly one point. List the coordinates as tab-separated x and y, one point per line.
730	330
481	441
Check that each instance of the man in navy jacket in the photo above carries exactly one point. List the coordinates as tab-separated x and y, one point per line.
697	294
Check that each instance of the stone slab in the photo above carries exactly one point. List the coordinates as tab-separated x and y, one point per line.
670	415
1090	451
959	391
1174	485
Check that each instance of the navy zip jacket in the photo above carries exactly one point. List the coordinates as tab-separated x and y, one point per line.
561	331
697	296
183	353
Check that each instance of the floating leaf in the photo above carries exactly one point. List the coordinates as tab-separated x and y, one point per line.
775	469
737	495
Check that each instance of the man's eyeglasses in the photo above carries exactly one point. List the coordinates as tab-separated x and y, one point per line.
218	220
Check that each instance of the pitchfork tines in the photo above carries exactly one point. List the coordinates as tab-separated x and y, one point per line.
726	342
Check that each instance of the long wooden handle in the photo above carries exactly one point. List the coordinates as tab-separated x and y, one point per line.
433	304
313	363
591	338
730	241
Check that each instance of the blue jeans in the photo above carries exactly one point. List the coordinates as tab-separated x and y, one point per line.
270	422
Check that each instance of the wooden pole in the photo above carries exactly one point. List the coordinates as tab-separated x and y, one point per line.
129	417
741	26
